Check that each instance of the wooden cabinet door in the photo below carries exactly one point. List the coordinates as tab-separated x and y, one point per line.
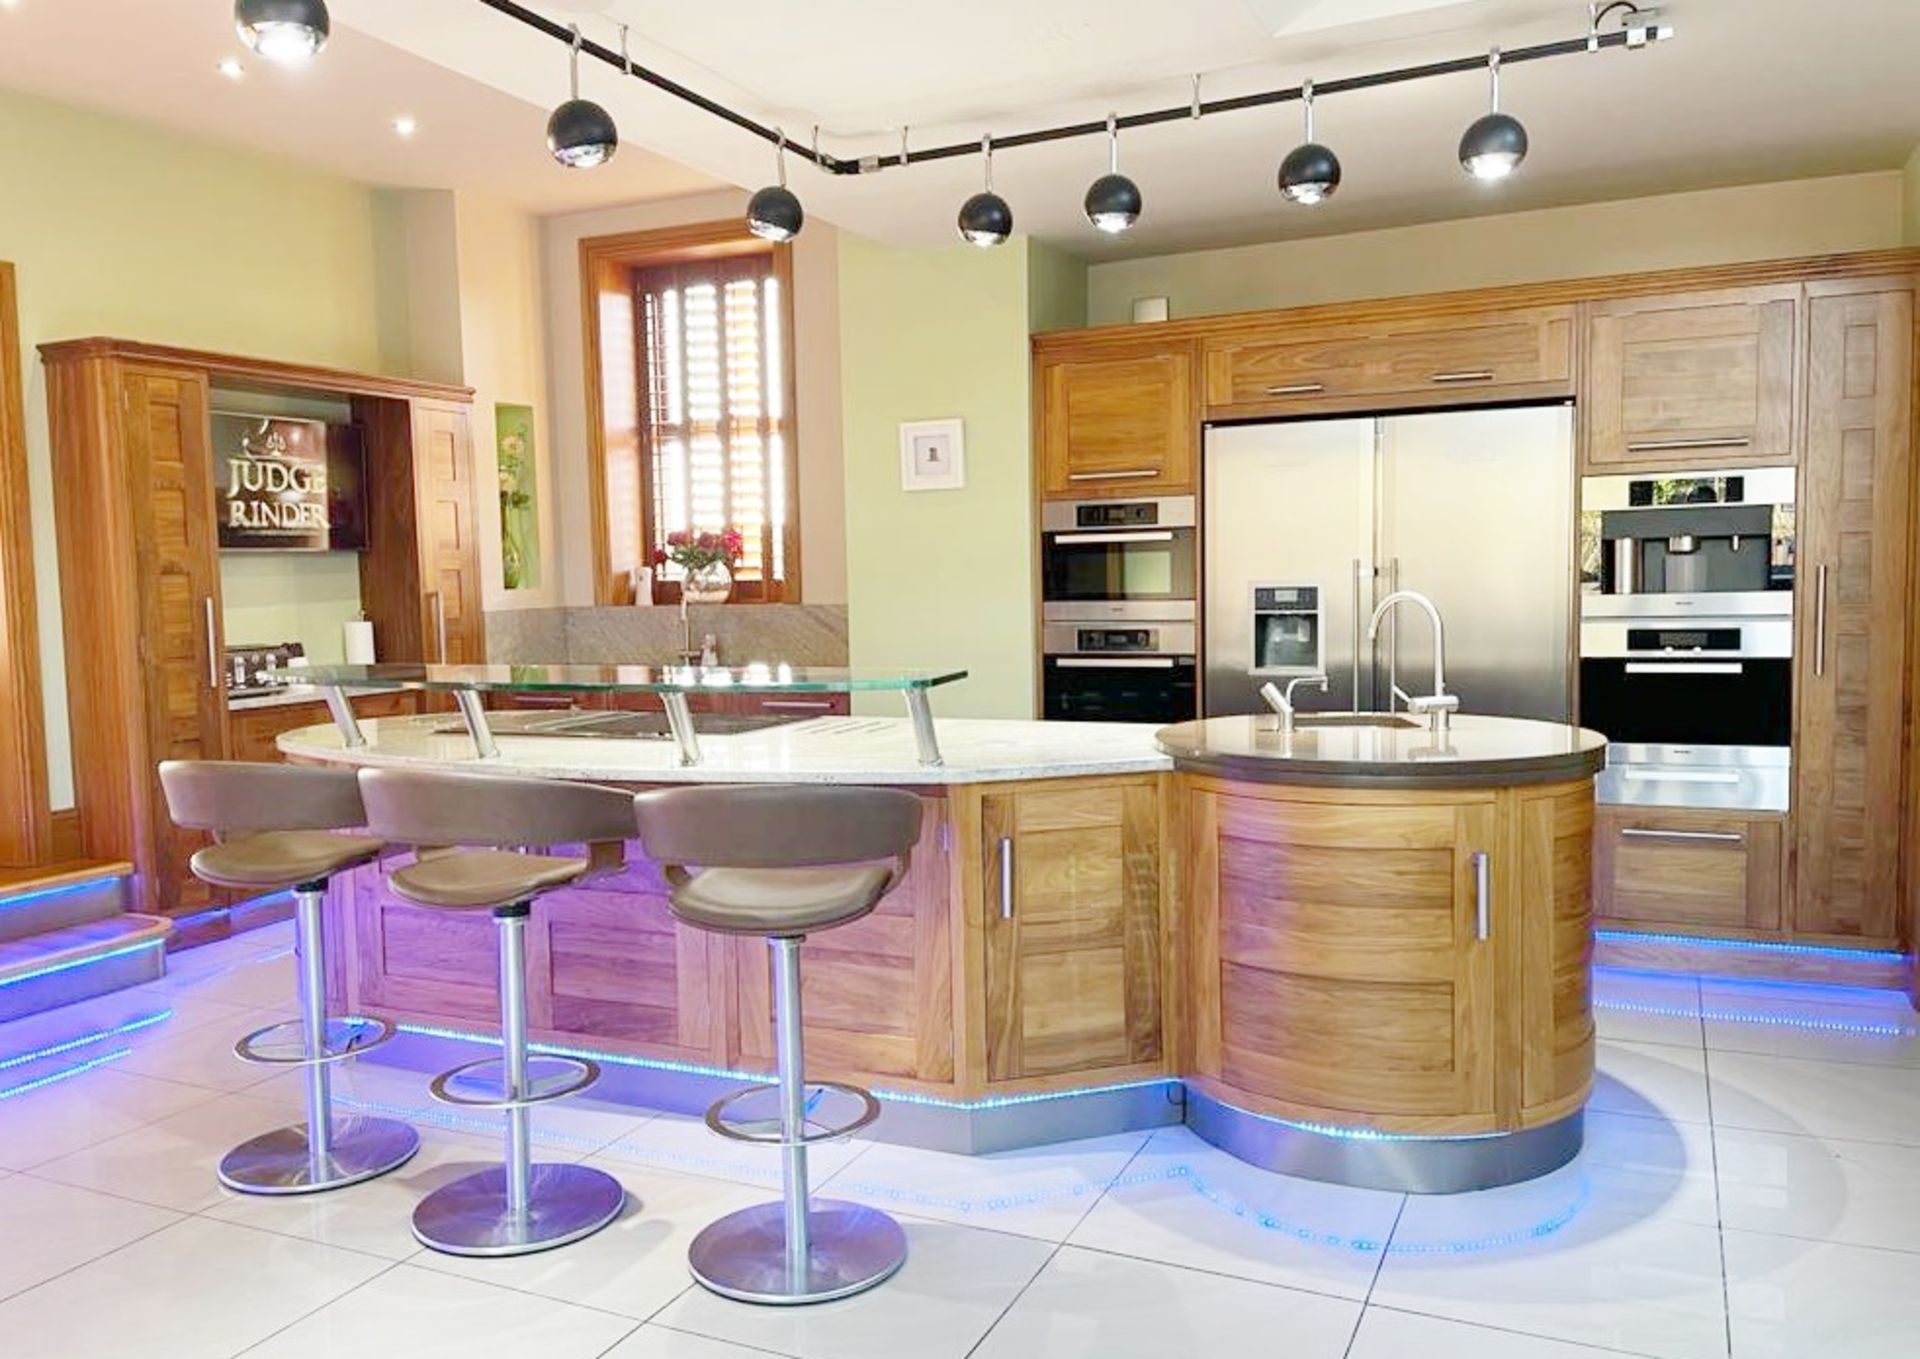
1680	868
1702	380
1072	918
876	996
1851	582
1337	952
170	466
1119	424
448	519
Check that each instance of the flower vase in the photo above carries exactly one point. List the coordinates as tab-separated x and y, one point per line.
711	584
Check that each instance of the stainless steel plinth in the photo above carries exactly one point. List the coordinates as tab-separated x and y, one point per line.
1404	1164
474	1216
851	1247
283	1161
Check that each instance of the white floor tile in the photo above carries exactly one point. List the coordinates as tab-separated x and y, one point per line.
1386	1334
423	1315
955	1284
1089	1305
1644	1007
1823	1099
1793	1299
40	1125
134	1006
1037	1191
375	1216
684	1143
1651	1080
171	1162
657	1342
634	1267
203	1054
254	979
1823	1189
55	1227
192	1291
1183	1202
1646	1285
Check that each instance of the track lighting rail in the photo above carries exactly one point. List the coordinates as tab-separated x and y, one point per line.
1591	41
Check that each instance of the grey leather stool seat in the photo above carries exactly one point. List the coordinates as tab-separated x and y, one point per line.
518	1207
786	862
277	827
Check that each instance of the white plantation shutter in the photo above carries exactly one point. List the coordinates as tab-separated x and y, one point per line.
712	372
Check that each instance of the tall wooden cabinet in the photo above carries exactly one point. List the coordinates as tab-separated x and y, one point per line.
140	574
1852	588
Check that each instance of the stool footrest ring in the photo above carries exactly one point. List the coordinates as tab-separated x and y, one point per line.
870	1110
344	1039
586	1072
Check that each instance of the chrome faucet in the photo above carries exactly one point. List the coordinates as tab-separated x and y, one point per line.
1283	703
1439	705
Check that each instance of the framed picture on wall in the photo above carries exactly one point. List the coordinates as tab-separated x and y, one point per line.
933	456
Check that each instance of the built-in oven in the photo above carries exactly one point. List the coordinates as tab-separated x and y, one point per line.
1099	671
1118	559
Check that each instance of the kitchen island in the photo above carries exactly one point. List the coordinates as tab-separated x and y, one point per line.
1273	940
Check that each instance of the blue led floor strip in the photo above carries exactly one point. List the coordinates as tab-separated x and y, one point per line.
65	1073
84	962
8	900
1861	1029
1761	946
85	1040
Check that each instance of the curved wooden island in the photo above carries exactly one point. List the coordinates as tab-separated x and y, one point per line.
1389	944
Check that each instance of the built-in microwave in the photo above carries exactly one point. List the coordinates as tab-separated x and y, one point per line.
1118	559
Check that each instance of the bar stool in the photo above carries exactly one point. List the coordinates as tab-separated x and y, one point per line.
785	862
274	827
518	1207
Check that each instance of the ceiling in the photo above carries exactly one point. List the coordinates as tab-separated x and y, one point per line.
156	59
1750	90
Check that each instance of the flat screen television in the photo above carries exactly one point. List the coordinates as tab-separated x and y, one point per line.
284	485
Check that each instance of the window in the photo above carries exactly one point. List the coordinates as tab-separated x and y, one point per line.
715	430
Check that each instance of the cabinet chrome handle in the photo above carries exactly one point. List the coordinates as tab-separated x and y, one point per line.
1466	375
1006	877
1297	389
439	626
1650	833
1123	474
1683	668
1114	662
1483	895
1102	539
1670	445
808	705
213	648
1820	623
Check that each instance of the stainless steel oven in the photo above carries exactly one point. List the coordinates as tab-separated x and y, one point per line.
1118	559
1121	672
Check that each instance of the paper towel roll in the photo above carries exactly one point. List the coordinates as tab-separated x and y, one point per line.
356	639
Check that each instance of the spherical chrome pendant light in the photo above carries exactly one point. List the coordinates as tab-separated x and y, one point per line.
1311	172
985	218
1113	201
286	31
580	133
1495	144
774	213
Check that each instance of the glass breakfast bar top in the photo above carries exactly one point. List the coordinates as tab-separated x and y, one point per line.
672	683
611	679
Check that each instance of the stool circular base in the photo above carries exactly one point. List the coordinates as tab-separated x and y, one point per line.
743	1256
469	1216
279	1162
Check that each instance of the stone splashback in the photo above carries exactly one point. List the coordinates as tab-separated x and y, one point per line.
800	634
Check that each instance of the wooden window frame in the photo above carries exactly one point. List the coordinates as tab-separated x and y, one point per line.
26	819
617	456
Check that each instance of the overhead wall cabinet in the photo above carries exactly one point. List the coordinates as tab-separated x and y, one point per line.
1120	420
140	580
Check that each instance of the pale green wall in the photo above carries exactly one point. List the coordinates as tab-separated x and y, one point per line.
120	228
1671	231
1056	288
939	578
1910	199
271	597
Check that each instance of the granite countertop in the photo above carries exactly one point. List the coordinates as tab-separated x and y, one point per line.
1477	752
819	750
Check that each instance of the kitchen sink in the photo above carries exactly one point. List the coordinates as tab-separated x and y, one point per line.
1386	721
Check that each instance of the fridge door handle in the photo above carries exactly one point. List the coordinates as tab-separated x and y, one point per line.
1355	652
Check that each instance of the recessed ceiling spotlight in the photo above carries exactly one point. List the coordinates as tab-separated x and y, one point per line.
232	68
406	125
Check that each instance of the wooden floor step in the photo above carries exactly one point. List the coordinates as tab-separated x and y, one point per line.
73	962
36	900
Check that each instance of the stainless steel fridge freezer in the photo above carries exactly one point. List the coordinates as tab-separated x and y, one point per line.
1309	522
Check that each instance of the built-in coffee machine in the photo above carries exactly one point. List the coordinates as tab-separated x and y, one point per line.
1686	635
